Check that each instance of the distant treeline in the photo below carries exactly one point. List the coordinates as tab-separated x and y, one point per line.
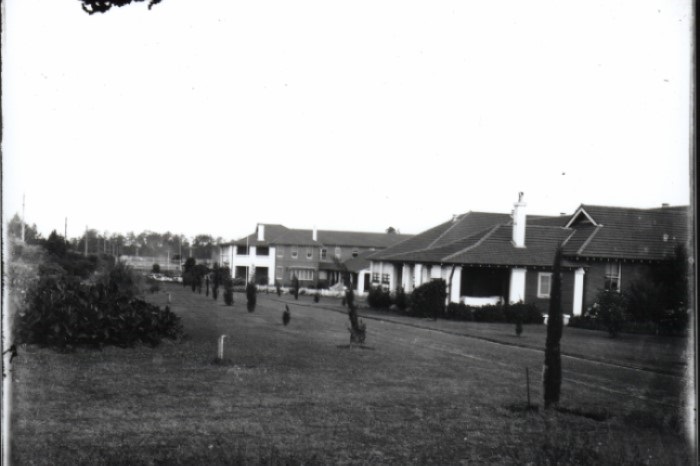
146	243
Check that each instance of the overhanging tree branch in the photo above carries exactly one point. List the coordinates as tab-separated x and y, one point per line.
102	6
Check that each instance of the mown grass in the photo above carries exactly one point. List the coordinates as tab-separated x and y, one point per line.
299	395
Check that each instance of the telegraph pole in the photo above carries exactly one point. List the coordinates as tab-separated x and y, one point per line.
65	230
86	239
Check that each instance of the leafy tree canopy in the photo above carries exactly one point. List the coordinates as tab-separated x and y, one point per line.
102	6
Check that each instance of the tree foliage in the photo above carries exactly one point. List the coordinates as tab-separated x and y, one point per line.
102	6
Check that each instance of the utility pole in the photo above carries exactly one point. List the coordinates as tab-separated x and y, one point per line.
65	230
86	240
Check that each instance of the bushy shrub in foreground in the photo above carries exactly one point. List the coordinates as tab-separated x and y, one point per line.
65	313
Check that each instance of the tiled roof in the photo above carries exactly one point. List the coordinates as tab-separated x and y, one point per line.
627	233
497	248
281	235
462	226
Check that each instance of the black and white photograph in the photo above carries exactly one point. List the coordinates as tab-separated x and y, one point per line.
348	233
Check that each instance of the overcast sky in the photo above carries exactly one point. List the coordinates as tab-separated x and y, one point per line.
209	117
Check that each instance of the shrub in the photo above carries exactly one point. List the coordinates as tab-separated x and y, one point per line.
525	313
278	288
317	297
155	268
609	310
378	298
251	293
295	287
428	300
401	299
489	313
228	292
459	311
153	286
63	313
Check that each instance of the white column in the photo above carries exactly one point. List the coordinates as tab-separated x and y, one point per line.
456	288
361	281
406	278
578	291
392	277
517	285
419	275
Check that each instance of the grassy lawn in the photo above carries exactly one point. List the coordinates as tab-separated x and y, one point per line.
420	392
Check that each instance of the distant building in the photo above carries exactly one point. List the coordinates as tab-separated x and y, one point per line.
277	253
487	258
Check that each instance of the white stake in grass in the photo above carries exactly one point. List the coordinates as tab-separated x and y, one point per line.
221	347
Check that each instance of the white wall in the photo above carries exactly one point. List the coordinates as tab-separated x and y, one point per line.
517	285
252	260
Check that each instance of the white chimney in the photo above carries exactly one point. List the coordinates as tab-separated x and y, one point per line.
314	235
519	222
261	232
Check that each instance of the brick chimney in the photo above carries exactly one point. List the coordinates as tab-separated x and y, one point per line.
261	232
519	222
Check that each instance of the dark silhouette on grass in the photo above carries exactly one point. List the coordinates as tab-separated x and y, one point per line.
552	351
286	315
251	292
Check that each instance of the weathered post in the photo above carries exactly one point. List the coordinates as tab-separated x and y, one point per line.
220	356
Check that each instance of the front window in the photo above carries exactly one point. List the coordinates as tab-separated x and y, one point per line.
241	250
385	279
338	252
262	251
375	278
544	284
295	252
355	252
324	253
612	276
302	274
309	253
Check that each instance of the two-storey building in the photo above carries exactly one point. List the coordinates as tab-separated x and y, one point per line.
275	253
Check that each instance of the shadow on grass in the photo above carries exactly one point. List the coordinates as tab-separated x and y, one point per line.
355	346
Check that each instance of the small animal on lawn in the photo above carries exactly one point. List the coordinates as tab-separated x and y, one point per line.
286	316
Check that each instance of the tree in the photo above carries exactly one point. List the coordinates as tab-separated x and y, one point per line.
56	244
102	6
552	351
251	293
14	228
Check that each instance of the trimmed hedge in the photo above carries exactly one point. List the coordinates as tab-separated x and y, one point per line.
525	313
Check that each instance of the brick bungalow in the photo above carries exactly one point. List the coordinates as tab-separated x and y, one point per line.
486	258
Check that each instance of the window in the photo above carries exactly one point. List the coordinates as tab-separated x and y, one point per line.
338	252
280	251
262	251
241	250
295	252
612	276
280	272
302	274
324	254
375	278
309	253
385	279
544	284
355	252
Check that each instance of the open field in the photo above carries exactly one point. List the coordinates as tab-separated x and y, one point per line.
420	392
